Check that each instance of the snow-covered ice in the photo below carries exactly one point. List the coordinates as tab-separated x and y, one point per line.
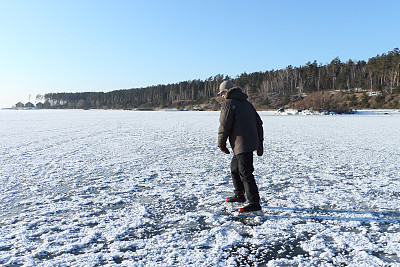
138	188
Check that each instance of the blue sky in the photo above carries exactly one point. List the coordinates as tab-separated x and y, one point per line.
98	45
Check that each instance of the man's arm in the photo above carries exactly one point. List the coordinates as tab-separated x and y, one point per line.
260	132
225	125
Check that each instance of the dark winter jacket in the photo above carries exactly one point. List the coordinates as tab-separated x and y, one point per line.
240	122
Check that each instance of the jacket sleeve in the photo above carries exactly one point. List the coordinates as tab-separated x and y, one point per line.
260	130
225	123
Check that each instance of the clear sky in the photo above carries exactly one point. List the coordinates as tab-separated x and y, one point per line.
97	45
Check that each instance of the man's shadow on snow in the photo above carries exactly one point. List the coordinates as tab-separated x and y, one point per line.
384	216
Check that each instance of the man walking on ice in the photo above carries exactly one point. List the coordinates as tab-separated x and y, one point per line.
241	124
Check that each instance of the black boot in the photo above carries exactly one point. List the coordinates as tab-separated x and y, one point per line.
236	198
250	207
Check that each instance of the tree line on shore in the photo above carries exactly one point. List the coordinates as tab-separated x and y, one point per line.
367	84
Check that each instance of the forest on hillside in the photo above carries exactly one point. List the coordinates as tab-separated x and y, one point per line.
352	84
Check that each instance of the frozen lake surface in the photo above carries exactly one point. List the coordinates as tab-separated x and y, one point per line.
147	188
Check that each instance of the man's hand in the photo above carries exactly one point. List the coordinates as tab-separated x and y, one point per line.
260	149
224	149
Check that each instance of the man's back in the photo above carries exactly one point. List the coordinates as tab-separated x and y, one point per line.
239	122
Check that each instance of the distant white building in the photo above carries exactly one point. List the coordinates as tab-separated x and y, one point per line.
19	105
374	93
29	105
40	105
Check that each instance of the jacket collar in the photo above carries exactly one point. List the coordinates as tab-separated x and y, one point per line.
236	93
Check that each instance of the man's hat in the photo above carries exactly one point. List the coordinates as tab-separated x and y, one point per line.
225	86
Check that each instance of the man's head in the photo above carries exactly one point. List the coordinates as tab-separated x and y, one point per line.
224	87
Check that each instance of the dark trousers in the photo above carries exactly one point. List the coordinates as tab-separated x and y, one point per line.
243	178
